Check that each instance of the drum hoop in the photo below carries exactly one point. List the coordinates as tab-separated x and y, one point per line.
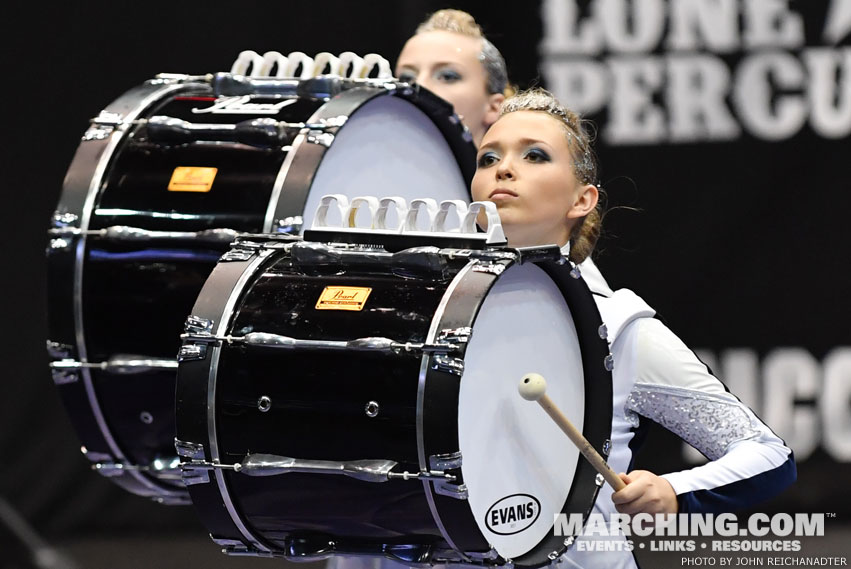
129	106
224	322
295	178
434	328
228	283
450	126
599	425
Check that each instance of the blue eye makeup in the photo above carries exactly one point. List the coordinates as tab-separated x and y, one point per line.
487	159
536	155
407	77
447	75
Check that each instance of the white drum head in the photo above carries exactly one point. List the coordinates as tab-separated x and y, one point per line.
517	464
388	147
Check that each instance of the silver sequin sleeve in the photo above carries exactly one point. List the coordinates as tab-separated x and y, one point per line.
710	422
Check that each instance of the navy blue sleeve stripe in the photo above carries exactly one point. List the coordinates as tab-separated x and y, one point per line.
741	494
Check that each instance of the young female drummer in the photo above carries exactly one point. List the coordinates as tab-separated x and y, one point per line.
536	164
450	56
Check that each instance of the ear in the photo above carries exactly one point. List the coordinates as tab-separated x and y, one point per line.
492	109
586	200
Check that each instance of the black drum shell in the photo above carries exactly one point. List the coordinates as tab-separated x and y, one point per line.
109	297
318	401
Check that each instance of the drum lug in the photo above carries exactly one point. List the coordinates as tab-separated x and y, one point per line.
439	463
103	126
444	462
61	375
446	488
289	225
192	352
97	132
237	548
64	219
107	118
64	376
237	254
59	244
331	122
321	138
191	477
197	326
195	452
447	364
187	449
58	350
454	336
492	268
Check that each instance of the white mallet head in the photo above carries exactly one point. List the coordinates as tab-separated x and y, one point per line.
532	386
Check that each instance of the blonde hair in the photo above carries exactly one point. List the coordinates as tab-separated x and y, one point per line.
586	231
461	22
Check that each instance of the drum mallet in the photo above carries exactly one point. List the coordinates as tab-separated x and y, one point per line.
533	387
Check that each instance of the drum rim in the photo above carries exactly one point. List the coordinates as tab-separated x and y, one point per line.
295	178
128	107
229	281
598	385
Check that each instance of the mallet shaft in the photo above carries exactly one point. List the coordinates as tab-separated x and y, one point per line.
588	451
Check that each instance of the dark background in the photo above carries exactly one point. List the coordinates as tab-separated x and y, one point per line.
741	244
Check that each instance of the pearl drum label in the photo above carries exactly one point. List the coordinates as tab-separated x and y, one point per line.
343	298
192	179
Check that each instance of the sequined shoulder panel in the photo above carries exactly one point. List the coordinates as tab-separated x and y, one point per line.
708	422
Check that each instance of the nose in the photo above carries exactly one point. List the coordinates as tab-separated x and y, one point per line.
505	170
425	80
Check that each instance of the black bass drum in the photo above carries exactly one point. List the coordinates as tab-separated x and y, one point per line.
338	401
161	183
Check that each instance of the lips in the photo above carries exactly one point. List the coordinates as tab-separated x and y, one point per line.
502	192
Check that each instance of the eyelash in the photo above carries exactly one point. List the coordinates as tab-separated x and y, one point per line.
448	76
533	155
486	159
444	75
538	155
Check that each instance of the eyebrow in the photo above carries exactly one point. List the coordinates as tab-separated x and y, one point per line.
523	142
431	65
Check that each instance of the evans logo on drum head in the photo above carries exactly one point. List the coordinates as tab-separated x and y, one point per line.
513	514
